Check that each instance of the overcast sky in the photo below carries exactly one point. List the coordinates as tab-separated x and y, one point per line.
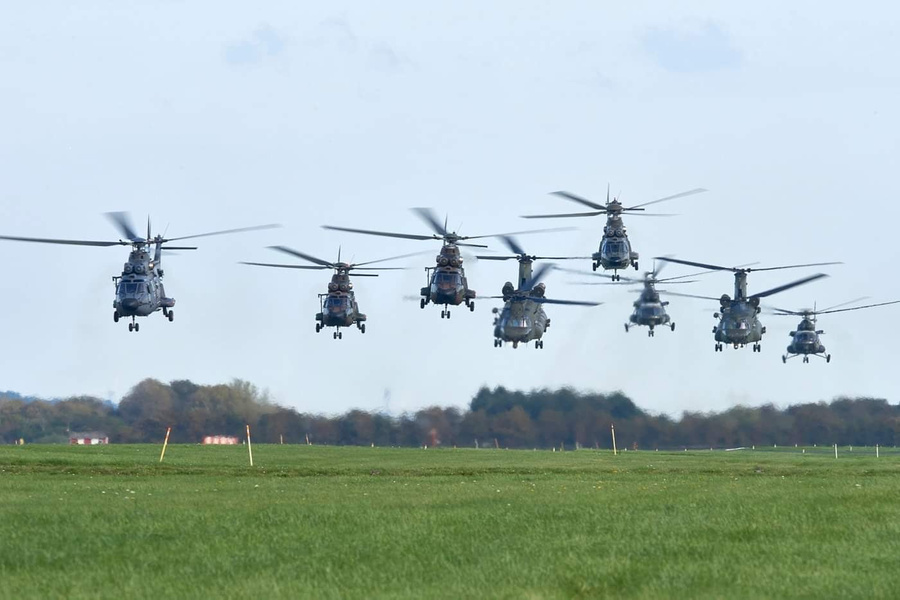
212	115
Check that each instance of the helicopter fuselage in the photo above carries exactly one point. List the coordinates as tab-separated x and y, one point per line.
615	250
520	321
739	325
139	289
338	307
447	285
805	342
649	310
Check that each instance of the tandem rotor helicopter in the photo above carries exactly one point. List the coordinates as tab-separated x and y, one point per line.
649	309
739	324
522	317
446	281
805	339
338	307
139	289
615	251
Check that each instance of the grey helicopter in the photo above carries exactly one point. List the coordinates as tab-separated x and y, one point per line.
805	340
337	307
522	318
139	289
446	283
739	323
649	308
615	252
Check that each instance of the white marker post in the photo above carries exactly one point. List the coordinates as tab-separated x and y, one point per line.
876	450
165	444
835	450
612	428
249	447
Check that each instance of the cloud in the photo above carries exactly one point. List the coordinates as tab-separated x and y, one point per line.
265	42
706	49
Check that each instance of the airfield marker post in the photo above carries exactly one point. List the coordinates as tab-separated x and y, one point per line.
835	450
876	450
612	428
249	447
165	443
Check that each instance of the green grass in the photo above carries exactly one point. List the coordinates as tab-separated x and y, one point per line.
322	522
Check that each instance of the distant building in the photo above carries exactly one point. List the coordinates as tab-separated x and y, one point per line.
91	438
221	439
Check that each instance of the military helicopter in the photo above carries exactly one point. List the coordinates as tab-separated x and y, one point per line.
615	251
805	340
522	317
139	289
738	321
649	310
446	281
337	307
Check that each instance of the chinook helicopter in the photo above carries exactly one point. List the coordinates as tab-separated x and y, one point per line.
805	340
522	317
649	309
615	251
139	289
738	321
337	307
446	281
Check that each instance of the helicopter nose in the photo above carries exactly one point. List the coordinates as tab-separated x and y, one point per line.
130	304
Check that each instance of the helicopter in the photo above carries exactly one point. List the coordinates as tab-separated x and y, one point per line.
337	307
446	281
738	321
649	310
615	251
139	289
522	317
805	340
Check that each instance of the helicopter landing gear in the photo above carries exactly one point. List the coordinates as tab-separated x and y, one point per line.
116	316
627	327
635	264
445	314
784	358
805	359
134	325
169	314
498	343
338	335
423	302
650	333
515	344
594	266
672	326
718	347
318	328
827	358
538	344
471	307
757	348
362	327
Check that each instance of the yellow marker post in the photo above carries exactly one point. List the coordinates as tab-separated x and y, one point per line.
249	448
165	444
612	428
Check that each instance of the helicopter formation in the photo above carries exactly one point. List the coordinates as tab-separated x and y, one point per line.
139	290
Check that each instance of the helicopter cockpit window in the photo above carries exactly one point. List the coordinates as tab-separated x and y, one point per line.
128	288
446	281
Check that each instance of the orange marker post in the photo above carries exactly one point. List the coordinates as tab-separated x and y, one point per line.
165	444
249	448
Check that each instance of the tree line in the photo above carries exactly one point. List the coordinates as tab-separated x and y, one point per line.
501	417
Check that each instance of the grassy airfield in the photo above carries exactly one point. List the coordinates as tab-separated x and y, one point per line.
325	522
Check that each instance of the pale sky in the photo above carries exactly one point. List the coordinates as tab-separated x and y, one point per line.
213	115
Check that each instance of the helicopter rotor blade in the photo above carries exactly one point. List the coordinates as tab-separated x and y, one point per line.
565	302
282	266
380	260
427	215
471	245
354	268
224	231
405	236
537	275
681	195
167	248
825	312
849	302
123	223
512	244
691	263
303	256
65	242
822	264
564	215
480	257
788	286
692	296
580	200
652	214
527	231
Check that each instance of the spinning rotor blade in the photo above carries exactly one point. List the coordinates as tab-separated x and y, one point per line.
825	312
793	266
565	302
372	262
307	257
351	267
692	296
427	215
681	195
860	299
66	242
167	248
224	231
691	263
480	257
512	244
564	215
405	236
788	286
123	224
549	230
537	275
471	245
580	200
307	267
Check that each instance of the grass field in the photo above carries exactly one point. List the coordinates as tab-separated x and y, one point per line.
325	522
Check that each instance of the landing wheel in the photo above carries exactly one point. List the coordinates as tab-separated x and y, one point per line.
443	314
116	316
318	328
422	303
448	314
626	327
594	266
171	316
650	333
827	358
362	328
672	326
131	327
471	307
784	358
497	343
515	344
635	265
137	326
334	335
806	359
757	348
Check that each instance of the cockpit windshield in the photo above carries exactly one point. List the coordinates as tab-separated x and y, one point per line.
615	248
337	303
446	281
129	289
